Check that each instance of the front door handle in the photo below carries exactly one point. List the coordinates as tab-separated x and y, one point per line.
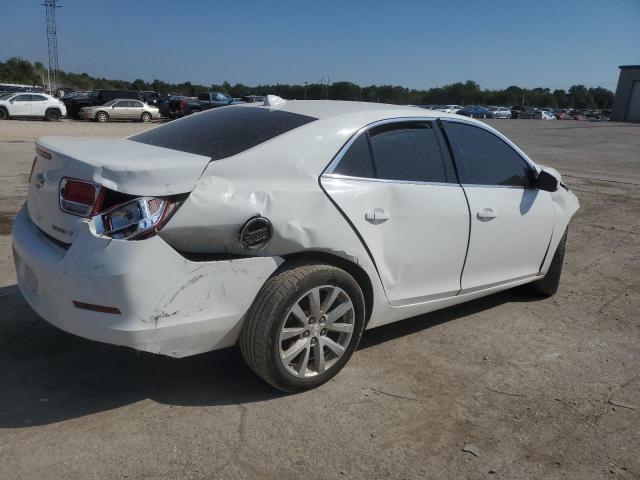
377	215
487	214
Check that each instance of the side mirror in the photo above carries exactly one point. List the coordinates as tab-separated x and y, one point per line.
546	182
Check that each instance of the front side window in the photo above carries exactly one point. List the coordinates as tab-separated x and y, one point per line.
22	98
485	159
121	104
407	152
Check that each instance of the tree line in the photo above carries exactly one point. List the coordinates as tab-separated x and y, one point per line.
21	71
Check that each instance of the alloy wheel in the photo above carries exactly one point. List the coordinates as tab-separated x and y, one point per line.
316	331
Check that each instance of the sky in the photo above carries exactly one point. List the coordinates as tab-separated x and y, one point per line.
416	44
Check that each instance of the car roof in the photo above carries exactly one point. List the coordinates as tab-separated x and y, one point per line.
326	109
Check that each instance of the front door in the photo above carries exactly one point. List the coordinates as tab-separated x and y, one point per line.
511	221
20	105
400	193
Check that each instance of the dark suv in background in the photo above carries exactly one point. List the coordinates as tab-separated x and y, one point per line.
96	98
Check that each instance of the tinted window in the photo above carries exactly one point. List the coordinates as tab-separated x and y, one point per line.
356	162
38	98
22	98
485	159
121	104
223	132
407	153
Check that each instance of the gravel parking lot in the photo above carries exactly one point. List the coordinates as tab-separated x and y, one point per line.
535	388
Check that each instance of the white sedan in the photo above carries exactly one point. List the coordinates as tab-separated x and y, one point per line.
38	105
286	228
447	108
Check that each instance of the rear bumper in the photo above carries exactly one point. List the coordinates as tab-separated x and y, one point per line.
167	304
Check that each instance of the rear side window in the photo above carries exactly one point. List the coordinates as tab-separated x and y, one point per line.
410	153
356	162
485	159
223	132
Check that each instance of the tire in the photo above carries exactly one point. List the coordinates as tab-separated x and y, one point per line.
549	284
102	117
52	115
145	117
264	344
4	115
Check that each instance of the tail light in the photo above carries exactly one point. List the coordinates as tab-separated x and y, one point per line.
182	104
136	219
78	197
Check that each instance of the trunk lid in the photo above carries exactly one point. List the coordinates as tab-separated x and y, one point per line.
121	165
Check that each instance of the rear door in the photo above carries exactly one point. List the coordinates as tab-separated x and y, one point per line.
136	109
400	193
39	104
511	221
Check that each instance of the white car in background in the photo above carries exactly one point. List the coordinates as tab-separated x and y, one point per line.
287	228
545	115
448	108
38	105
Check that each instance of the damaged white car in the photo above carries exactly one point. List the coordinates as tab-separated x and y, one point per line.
287	228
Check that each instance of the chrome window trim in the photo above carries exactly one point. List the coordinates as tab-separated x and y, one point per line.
339	176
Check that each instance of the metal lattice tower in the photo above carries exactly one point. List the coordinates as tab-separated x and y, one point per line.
52	42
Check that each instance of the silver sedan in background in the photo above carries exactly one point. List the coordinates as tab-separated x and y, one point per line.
121	109
499	112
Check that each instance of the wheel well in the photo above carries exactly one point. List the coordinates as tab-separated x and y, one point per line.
5	109
53	108
356	271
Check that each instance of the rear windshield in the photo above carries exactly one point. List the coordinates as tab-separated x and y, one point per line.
223	132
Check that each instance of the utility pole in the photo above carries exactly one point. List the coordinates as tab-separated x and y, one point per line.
52	43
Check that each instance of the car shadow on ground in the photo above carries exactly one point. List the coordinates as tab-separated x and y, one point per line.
47	375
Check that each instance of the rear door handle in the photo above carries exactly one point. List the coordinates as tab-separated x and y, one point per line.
487	214
377	214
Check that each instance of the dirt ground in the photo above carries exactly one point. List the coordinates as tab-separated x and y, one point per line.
538	388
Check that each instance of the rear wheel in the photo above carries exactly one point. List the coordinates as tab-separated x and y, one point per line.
551	281
145	117
303	326
3	114
102	117
52	115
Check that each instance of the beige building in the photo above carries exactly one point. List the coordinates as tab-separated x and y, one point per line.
626	105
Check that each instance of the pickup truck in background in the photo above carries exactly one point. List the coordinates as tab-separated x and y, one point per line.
183	106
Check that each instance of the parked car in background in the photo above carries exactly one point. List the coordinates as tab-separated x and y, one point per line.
253	98
209	100
447	108
474	112
198	239
121	109
96	98
32	105
538	114
181	106
561	115
499	112
204	101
